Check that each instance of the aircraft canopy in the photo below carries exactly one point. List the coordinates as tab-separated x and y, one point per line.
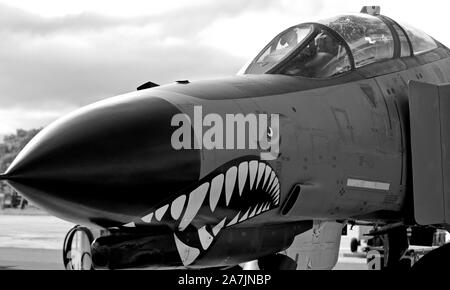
336	45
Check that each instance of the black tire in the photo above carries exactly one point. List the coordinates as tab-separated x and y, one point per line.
436	260
354	245
395	245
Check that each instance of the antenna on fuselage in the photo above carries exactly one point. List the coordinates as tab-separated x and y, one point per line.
371	10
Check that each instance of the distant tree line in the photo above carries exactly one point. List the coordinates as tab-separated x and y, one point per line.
11	145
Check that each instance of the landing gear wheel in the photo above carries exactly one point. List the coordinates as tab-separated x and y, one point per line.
77	249
436	260
395	245
354	245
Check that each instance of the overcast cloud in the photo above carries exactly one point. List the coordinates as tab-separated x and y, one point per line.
57	57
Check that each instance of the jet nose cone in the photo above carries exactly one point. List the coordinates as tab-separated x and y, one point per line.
105	163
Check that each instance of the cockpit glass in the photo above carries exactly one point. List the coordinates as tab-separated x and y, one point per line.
279	48
370	40
347	42
404	44
420	41
324	56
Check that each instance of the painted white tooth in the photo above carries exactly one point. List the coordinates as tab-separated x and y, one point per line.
147	218
196	199
272	178
277	188
159	213
266	207
230	181
177	207
266	175
253	169
274	189
205	238
215	191
234	220
260	173
269	186
245	216
218	227
130	225
274	185
278	197
259	209
272	194
253	212
243	172
187	254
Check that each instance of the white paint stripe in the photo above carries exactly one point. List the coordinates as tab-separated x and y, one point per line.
187	254
177	207
196	199
368	184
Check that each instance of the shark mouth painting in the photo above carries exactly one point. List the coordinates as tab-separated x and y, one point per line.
232	194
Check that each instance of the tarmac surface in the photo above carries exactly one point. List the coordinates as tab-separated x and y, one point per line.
34	242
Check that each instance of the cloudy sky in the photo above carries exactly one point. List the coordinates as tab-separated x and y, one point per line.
56	56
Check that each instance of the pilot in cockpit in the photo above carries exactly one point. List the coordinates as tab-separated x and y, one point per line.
316	57
327	48
327	44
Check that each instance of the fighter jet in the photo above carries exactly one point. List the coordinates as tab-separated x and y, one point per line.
335	122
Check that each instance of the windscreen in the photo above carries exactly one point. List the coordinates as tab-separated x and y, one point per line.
369	39
280	47
324	56
421	42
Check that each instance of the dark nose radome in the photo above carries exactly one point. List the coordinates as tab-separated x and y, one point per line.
105	163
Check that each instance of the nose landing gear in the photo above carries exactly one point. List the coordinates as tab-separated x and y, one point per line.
77	249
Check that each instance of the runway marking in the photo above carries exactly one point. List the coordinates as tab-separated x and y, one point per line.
368	184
